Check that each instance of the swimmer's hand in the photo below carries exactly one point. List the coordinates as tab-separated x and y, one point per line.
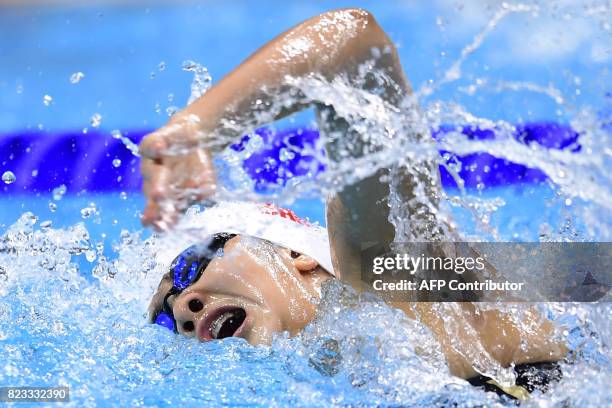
177	168
177	171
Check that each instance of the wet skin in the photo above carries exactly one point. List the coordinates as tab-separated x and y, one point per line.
278	292
276	288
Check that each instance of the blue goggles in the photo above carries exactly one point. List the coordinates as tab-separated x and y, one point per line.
186	269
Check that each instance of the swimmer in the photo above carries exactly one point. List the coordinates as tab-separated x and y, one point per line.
252	281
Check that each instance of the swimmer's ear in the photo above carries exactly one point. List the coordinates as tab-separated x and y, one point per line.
302	262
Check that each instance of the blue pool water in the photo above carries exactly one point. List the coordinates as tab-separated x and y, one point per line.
76	269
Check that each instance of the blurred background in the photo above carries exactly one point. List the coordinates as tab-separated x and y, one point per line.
131	53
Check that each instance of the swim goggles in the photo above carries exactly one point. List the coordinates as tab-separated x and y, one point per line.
186	269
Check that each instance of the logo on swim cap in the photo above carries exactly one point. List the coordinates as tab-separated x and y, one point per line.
272	209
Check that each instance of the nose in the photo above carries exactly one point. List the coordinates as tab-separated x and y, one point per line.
187	309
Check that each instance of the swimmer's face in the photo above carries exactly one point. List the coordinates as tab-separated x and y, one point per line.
253	291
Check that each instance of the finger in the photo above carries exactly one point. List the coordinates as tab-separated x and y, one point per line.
161	216
158	187
204	171
183	132
147	168
154	179
202	182
146	189
167	215
151	214
153	145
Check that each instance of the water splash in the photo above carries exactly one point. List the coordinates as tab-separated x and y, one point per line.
76	77
59	192
81	321
73	310
47	100
202	81
454	72
96	120
8	177
131	146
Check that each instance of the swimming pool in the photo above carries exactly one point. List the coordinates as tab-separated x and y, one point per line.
75	289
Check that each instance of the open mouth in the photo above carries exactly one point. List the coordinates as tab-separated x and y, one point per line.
227	322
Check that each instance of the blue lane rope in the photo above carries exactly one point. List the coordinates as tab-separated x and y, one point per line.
43	161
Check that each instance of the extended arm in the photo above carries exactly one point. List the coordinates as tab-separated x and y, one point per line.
328	45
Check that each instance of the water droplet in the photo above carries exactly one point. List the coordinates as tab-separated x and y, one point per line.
202	81
162	66
19	89
90	255
125	236
171	110
52	206
170	97
45	225
568	201
8	177
34	173
123	195
29	219
285	154
59	192
189	65
87	212
116	163
47	99
96	119
131	146
485	219
76	77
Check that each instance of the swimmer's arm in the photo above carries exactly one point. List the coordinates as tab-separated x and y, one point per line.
334	43
356	214
328	45
471	337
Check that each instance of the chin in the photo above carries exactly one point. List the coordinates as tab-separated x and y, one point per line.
265	325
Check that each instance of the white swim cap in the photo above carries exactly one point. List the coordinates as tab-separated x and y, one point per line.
265	221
